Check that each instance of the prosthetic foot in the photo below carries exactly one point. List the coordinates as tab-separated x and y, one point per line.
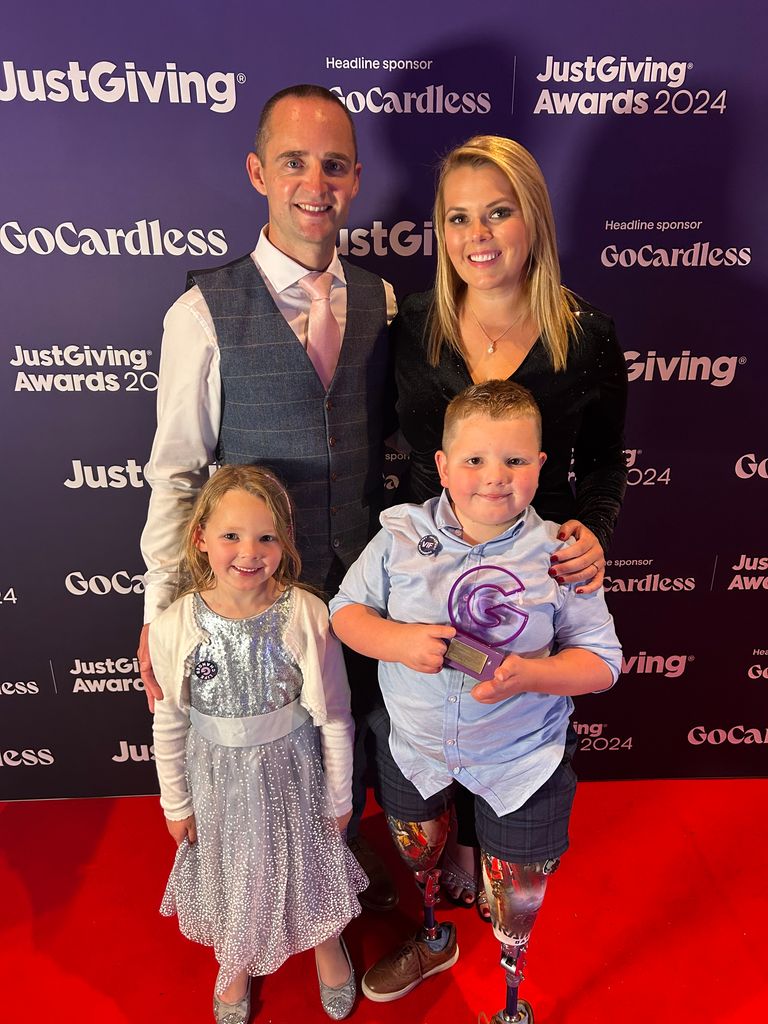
433	949
516	1010
524	1015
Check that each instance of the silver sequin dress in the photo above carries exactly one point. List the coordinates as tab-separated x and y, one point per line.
269	875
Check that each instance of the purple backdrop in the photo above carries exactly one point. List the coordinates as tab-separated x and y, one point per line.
125	134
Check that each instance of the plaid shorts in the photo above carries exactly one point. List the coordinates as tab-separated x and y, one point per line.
537	831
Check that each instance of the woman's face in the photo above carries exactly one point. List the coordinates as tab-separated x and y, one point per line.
486	238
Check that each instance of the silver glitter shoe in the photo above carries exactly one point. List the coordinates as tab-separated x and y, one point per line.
338	1002
232	1013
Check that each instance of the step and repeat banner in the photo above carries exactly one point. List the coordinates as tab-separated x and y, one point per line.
125	133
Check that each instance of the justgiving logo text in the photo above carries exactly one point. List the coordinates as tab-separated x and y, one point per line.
108	83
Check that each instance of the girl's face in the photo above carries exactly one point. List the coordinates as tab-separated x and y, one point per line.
242	546
485	235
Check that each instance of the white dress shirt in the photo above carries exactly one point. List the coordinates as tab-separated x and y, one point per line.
189	406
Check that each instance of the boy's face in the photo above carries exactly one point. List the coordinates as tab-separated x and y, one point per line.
491	471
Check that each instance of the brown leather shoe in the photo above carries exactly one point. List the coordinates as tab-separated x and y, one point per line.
396	974
381	893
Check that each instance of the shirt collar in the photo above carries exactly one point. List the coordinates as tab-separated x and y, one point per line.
446	521
282	272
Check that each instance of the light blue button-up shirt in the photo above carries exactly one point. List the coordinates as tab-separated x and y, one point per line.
503	752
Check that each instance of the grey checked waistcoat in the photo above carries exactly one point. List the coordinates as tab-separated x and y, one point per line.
327	447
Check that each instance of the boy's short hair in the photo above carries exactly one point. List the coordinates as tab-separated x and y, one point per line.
497	399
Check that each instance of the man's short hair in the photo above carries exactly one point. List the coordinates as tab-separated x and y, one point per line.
496	399
301	92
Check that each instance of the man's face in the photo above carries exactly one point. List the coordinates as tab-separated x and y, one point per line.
309	176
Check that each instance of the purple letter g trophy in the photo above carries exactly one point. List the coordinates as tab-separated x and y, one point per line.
485	621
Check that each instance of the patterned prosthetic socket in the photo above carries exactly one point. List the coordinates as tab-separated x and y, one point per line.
515	894
420	844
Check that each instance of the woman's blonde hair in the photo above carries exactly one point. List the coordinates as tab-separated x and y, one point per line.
551	305
195	572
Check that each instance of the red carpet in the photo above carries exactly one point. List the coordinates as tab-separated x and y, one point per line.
658	914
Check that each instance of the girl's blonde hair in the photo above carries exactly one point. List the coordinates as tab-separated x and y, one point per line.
195	571
550	304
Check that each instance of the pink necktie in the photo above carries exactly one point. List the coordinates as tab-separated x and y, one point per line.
323	335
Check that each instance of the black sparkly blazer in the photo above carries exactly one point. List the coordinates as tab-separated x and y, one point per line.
582	408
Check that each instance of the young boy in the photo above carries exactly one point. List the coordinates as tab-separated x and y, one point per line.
506	739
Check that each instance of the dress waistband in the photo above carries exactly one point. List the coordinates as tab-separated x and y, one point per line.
251	730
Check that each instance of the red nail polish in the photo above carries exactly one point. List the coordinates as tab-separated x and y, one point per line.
553	571
561	536
560	579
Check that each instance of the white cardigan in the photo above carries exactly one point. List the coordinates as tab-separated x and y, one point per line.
173	637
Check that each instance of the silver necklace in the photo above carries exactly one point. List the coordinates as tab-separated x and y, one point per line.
492	341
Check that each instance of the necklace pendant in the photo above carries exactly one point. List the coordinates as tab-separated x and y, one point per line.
492	341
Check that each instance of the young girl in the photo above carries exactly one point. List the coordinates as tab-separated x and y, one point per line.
249	668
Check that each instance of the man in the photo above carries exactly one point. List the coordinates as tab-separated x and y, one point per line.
280	358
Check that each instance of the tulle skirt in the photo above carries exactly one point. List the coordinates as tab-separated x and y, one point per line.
269	875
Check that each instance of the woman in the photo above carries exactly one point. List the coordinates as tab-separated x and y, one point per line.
499	311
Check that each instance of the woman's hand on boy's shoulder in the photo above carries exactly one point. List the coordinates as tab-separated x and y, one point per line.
184	829
582	562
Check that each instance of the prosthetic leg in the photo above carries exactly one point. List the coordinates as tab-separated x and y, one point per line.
420	844
515	894
434	948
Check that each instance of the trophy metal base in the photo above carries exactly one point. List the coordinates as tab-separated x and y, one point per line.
473	657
